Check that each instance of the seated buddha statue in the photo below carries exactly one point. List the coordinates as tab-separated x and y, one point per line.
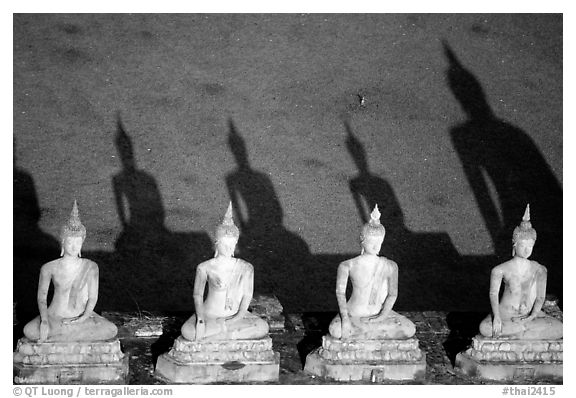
224	314
70	315
518	313
368	313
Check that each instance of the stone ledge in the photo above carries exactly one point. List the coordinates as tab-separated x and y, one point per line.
334	344
263	344
255	350
517	370
225	356
67	353
109	373
486	344
347	351
354	356
170	370
370	371
507	350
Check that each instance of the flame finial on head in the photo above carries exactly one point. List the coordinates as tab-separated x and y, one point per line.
373	227
74	226
227	227
524	230
526	216
375	215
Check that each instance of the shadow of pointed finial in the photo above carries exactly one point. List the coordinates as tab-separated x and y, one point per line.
237	146
124	144
75	214
454	62
466	88
356	150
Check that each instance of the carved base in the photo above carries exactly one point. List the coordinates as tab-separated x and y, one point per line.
223	361
367	360
99	362
505	359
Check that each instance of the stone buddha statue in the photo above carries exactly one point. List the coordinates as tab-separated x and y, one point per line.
518	313
368	313
70	317
224	314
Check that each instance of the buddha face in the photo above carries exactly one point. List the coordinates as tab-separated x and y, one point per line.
523	248
72	245
226	245
372	244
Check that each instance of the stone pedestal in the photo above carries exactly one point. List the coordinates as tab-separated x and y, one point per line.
505	359
100	362
221	361
368	360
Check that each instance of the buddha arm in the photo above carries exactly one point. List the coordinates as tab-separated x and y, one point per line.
248	291
341	283
199	286
92	294
392	281
541	280
43	286
495	282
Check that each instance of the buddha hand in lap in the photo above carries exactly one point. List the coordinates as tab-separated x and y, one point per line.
224	314
70	316
368	314
518	313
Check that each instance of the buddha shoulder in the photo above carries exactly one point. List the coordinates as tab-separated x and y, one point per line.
205	264
390	264
347	264
92	266
502	268
50	266
246	265
539	268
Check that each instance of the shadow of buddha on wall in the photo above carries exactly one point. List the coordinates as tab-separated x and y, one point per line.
279	256
506	171
156	264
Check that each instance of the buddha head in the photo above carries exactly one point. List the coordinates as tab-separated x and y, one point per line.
72	234
372	234
227	235
524	237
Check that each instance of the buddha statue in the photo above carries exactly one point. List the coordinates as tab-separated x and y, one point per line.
224	314
70	317
518	313
368	313
367	340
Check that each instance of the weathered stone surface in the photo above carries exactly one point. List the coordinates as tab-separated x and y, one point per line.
365	370
69	362
202	362
488	349
508	370
368	360
181	344
501	359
